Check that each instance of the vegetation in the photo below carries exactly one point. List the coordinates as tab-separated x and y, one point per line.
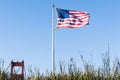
71	72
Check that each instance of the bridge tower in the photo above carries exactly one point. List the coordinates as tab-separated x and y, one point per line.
14	75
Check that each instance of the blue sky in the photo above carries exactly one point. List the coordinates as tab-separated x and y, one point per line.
25	32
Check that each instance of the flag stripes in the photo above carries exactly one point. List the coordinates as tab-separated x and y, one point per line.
72	18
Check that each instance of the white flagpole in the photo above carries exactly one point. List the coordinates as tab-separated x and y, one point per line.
53	41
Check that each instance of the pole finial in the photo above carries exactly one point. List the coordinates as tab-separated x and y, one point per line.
53	5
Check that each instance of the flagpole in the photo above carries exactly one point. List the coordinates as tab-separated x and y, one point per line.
53	41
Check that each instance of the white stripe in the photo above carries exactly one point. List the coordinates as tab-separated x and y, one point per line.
67	19
78	12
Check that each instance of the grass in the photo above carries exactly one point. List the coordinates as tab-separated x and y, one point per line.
72	72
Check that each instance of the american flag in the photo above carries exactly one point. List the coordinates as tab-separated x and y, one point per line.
72	18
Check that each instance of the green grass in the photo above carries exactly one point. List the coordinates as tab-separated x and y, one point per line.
72	72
